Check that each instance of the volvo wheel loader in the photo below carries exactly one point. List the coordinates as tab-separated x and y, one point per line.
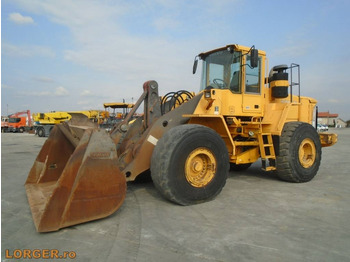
188	142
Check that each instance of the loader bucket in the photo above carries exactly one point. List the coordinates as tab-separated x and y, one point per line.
75	178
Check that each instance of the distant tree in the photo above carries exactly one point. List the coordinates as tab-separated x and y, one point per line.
348	123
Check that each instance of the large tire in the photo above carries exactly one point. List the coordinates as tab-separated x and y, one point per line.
41	132
299	153
190	164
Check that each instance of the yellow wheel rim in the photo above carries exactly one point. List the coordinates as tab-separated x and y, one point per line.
307	153
200	167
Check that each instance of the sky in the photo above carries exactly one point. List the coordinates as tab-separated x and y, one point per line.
78	54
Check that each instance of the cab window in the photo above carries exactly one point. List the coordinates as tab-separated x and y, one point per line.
252	77
222	70
235	83
14	120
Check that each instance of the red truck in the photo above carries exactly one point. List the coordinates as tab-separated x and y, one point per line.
19	123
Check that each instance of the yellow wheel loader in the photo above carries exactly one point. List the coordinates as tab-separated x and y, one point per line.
188	142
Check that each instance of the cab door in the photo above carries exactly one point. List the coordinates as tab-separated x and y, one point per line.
252	93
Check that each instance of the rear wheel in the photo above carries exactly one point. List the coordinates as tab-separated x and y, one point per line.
190	164
300	152
41	132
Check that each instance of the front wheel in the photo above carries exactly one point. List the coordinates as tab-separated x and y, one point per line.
300	152
190	164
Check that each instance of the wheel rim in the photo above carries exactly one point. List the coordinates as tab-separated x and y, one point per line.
307	153
200	167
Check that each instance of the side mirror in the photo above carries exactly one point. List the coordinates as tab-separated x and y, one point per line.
195	64
254	58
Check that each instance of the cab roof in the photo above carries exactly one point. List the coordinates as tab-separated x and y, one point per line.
118	105
235	47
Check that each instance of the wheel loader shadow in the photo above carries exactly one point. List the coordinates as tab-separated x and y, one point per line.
144	181
144	184
254	172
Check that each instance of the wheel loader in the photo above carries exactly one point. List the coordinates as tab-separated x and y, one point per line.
189	143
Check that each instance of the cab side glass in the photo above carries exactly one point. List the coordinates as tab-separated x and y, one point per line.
252	78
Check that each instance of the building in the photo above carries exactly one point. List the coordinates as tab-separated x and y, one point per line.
340	123
326	118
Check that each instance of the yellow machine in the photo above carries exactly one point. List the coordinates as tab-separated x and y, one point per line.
125	107
189	143
44	122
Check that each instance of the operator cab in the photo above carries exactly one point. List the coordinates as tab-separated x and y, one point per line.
235	73
223	69
14	120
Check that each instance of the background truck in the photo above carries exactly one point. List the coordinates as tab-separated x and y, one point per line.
19	123
242	113
4	124
44	122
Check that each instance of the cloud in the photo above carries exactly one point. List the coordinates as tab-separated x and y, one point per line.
86	93
61	91
129	42
34	93
336	101
105	41
162	23
27	51
43	79
293	49
20	19
81	12
107	38
83	102
5	86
